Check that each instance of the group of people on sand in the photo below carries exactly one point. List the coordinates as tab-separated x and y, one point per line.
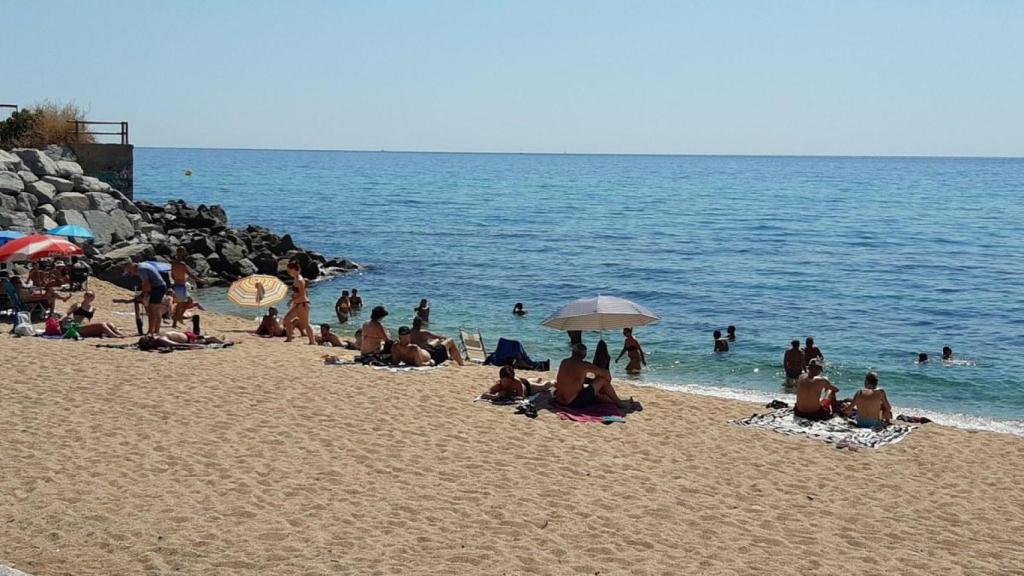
816	399
415	345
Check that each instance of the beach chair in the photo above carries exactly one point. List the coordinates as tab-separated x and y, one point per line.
473	345
35	309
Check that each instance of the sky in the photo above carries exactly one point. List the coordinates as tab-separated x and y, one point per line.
817	77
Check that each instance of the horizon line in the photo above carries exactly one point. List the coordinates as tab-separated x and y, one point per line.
657	154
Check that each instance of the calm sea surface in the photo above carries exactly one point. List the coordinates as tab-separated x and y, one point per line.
878	259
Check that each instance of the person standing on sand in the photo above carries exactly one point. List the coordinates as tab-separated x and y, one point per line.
570	390
375	335
631	346
721	344
343	307
423	311
180	273
809	403
153	290
298	314
871	403
793	363
811	352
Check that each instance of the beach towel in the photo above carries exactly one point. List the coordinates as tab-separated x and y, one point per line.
403	368
135	346
512	353
603	413
836	431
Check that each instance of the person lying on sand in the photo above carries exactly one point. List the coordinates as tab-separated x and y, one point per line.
82	313
440	347
174	340
570	390
270	326
509	387
809	403
405	352
328	337
871	403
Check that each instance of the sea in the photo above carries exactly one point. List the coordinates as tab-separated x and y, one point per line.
878	259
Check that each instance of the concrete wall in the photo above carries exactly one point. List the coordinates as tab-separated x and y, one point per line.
111	163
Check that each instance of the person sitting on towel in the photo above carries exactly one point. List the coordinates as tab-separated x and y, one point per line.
509	387
328	337
271	326
405	352
440	347
375	335
570	390
809	403
871	404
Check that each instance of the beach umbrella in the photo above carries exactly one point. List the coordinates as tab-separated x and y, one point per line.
600	313
257	290
36	247
8	235
71	231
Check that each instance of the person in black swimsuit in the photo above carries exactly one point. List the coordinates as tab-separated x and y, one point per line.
83	312
631	346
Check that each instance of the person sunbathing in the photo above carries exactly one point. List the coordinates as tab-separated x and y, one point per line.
174	340
570	390
375	335
83	312
405	352
440	347
270	326
809	403
871	403
328	337
510	387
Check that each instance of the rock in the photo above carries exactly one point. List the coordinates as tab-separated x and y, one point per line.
109	228
11	183
71	218
133	252
199	264
101	201
245	267
9	203
88	184
60	184
44	193
215	262
126	204
27	202
44	222
231	252
200	245
284	245
10	162
27	177
39	163
57	153
124	229
46	209
68	169
266	263
71	201
18	221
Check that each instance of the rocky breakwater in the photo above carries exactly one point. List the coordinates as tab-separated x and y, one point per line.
42	189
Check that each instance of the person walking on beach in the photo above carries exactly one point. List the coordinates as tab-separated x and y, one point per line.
871	403
343	307
298	315
153	290
375	335
809	403
180	273
423	311
811	352
793	363
631	346
569	384
721	344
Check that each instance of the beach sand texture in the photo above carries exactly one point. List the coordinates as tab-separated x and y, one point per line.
260	459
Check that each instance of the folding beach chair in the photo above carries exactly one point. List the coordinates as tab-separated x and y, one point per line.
35	309
473	345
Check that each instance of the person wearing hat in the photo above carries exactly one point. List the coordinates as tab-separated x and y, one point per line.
375	335
809	388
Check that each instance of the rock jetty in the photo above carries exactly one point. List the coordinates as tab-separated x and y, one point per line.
42	189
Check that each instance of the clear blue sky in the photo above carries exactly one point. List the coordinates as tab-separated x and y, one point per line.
716	77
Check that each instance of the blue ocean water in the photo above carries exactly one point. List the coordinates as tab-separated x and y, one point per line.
877	258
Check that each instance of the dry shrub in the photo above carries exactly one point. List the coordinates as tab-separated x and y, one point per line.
53	124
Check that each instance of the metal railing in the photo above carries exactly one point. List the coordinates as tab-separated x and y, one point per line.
82	127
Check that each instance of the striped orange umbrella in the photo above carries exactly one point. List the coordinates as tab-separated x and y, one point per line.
257	290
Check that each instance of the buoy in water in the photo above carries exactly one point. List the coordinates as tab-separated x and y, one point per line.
188	172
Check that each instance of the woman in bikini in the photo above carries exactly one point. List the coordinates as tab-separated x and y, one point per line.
298	314
83	312
631	346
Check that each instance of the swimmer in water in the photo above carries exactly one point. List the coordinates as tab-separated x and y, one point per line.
922	358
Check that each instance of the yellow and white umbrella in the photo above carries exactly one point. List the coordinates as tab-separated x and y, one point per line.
257	290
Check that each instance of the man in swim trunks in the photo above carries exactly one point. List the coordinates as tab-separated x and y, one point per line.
793	363
180	273
405	352
375	335
153	290
811	352
440	347
809	403
569	387
871	403
328	337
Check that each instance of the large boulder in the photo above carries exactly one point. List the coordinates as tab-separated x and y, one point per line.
46	209
133	252
244	267
27	177
231	252
124	229
9	203
39	163
56	152
61	184
44	193
68	169
102	227
27	202
101	201
126	204
11	183
89	184
199	264
44	222
266	263
71	201
200	245
71	218
10	161
18	221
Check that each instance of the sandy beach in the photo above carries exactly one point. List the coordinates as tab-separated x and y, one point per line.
261	459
